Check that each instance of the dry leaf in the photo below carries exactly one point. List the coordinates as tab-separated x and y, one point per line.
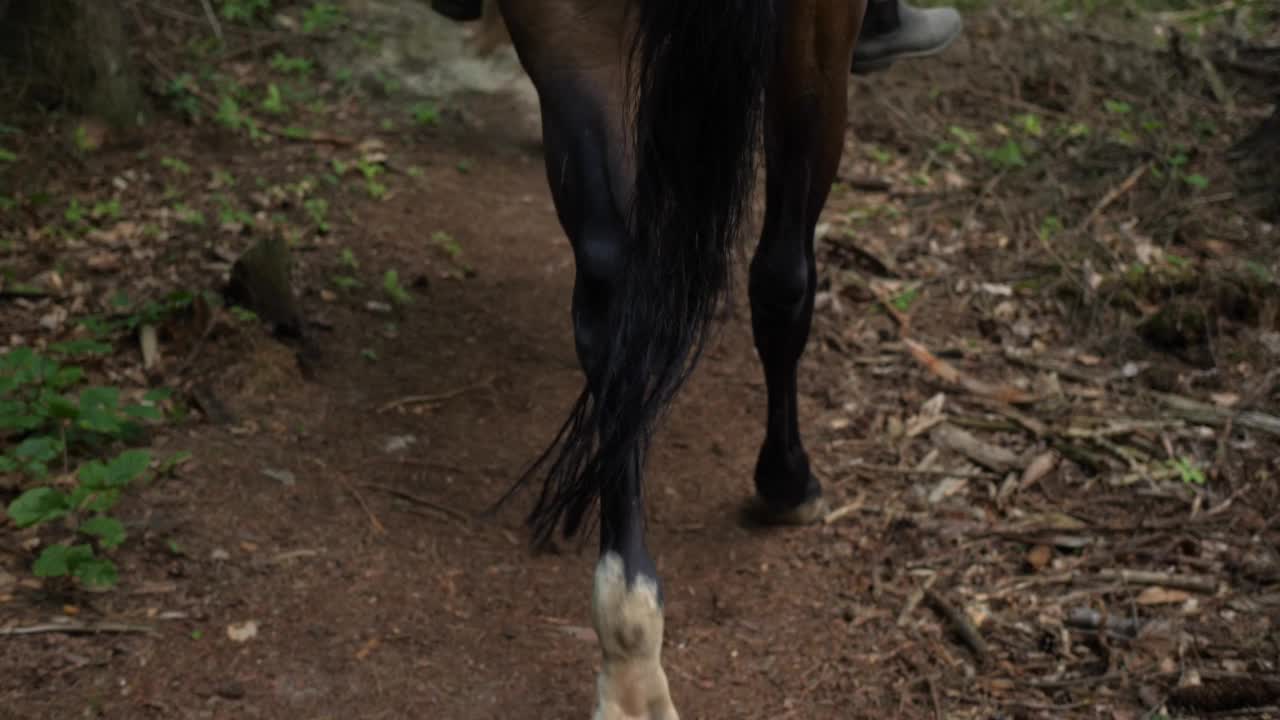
243	632
1039	557
1156	595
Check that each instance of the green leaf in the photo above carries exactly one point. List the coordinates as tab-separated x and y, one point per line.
391	284
41	449
109	531
1117	107
61	408
38	505
96	572
1008	155
66	377
93	475
7	155
61	560
127	467
1196	181
90	499
98	410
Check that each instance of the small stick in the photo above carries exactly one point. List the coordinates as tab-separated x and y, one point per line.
1114	194
373	519
913	600
992	457
965	629
950	374
78	629
444	509
213	20
434	397
896	470
1194	583
1085	618
846	509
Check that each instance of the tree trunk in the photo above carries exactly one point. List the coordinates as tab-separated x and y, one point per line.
72	53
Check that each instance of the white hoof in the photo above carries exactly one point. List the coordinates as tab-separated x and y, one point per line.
628	622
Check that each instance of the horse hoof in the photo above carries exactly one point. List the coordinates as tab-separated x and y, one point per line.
806	513
628	621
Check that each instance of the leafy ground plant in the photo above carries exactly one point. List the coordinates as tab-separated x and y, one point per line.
49	419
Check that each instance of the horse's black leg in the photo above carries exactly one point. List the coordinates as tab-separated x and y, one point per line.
804	136
589	190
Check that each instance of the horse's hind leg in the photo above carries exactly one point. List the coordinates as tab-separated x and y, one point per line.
585	170
804	136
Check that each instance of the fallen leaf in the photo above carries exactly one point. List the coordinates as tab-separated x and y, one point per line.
1157	595
1039	557
946	488
1225	399
242	632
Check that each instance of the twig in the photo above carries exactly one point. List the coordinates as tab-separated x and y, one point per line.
79	629
950	374
845	509
989	456
913	600
1194	583
1085	618
1197	411
213	20
443	509
897	470
373	519
434	397
1114	194
963	628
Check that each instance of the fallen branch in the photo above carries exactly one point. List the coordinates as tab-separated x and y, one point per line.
79	629
1114	194
434	397
373	519
949	373
1083	618
431	504
1227	694
1199	412
1194	583
985	454
961	625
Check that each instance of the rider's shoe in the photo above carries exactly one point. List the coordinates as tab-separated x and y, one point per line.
460	10
920	32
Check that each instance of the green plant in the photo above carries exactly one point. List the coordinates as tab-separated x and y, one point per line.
425	114
1007	156
274	101
7	155
46	417
282	63
244	10
321	17
175	164
317	209
1189	473
391	286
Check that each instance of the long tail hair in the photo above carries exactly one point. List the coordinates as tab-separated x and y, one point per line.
699	69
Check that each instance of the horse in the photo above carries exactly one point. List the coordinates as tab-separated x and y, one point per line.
654	114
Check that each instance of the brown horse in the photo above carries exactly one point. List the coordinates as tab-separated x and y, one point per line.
653	113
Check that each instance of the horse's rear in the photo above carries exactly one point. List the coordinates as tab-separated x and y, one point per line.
652	113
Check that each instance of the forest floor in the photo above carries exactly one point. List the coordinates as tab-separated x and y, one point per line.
1041	392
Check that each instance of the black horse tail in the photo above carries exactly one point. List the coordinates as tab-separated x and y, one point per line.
699	70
